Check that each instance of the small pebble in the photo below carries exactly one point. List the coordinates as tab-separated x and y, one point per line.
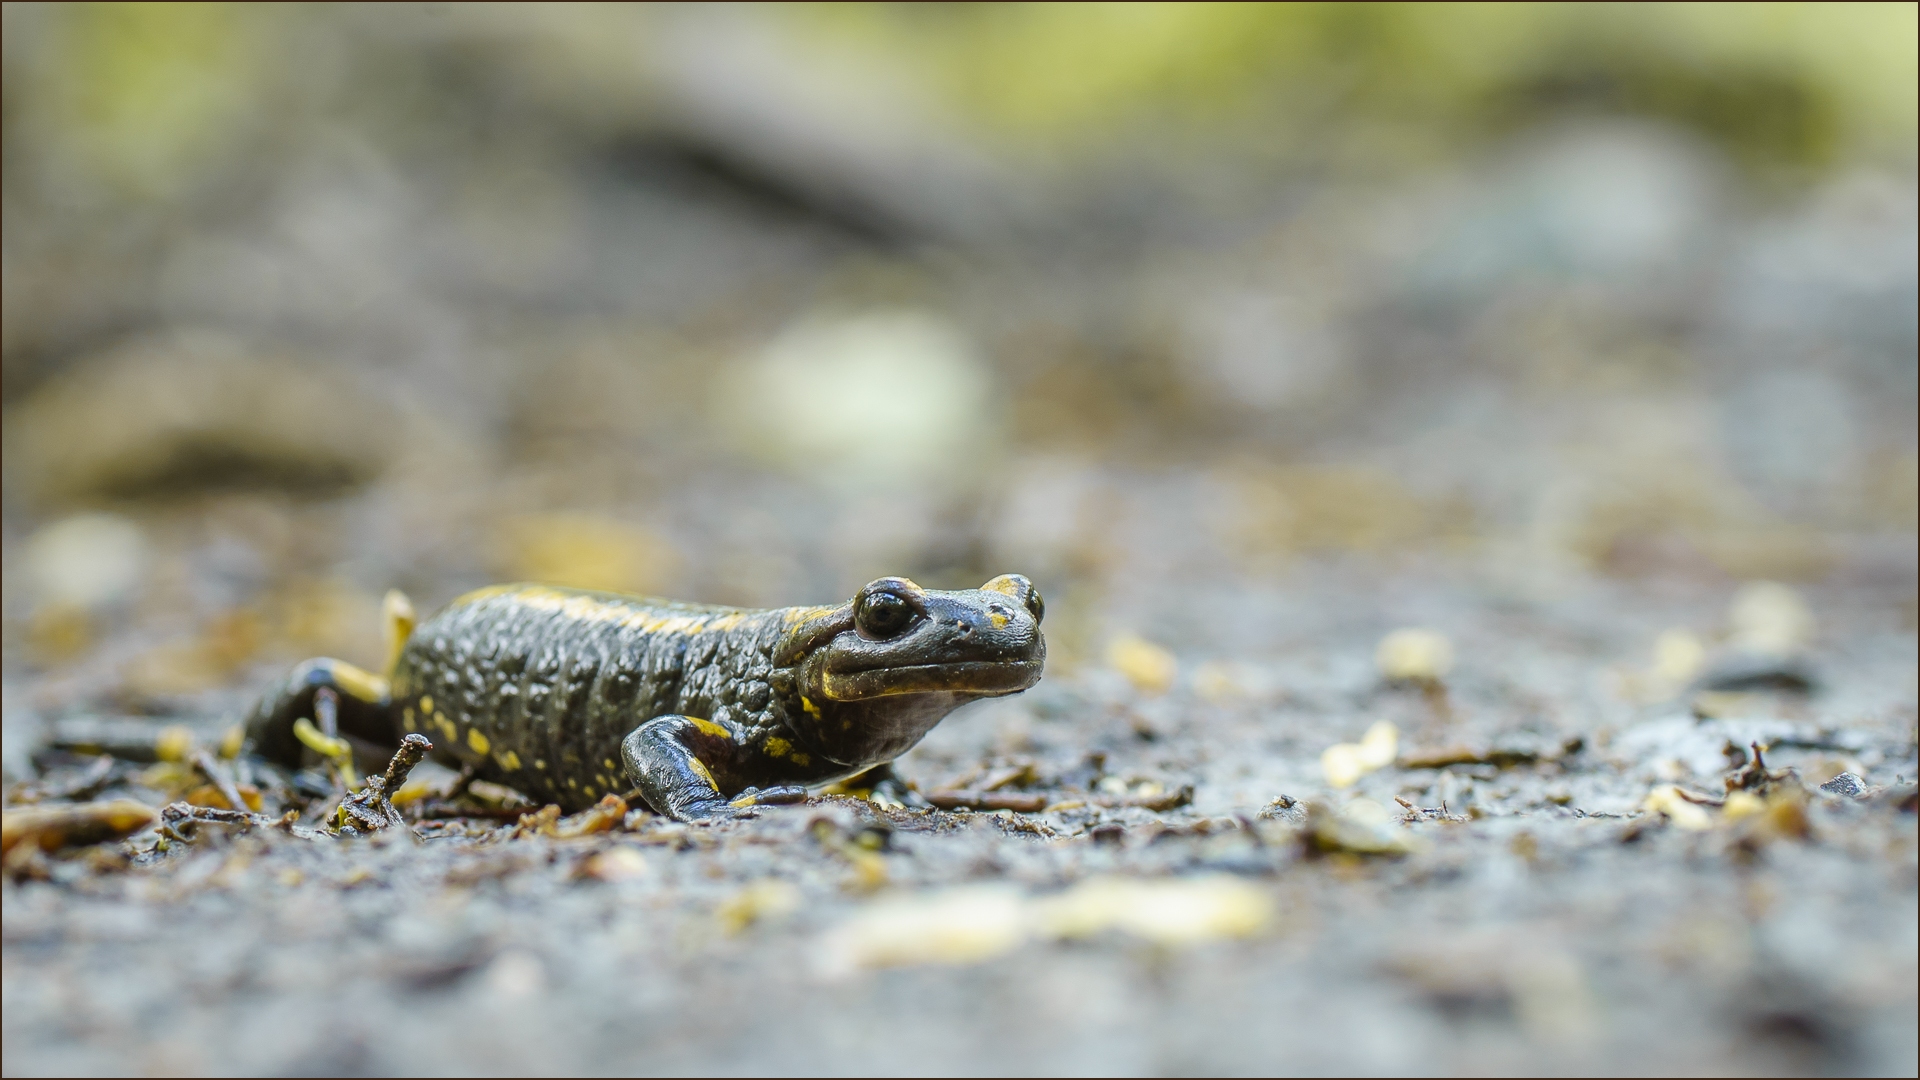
1847	785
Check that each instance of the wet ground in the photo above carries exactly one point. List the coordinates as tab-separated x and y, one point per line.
1403	453
1585	888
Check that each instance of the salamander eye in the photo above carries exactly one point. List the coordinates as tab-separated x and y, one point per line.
882	614
1036	605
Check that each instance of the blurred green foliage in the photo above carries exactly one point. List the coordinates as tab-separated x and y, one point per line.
146	93
145	97
1778	84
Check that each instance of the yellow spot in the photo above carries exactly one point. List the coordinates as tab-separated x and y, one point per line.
573	783
608	762
708	727
446	726
802	759
1004	585
426	703
360	683
807	704
638	613
406	717
778	747
540	763
700	769
508	760
797	615
999	621
479	742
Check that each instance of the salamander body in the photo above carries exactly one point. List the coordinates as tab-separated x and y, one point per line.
569	696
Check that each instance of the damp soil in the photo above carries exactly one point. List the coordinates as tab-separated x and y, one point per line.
1527	912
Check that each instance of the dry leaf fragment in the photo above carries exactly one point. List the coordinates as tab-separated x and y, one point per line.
1343	764
1150	668
603	816
1669	801
73	824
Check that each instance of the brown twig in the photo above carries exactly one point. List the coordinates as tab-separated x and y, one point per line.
218	777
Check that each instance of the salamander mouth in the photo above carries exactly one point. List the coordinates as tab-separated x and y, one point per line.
981	678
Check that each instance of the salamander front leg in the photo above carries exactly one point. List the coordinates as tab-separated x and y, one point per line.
679	763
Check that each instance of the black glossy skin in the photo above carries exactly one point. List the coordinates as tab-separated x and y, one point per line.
569	696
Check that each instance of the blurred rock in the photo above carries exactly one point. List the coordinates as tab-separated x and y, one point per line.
1769	628
887	397
175	413
89	561
1847	785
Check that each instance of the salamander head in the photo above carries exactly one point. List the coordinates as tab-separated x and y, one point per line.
872	676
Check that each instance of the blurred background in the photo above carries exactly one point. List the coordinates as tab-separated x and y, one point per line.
750	305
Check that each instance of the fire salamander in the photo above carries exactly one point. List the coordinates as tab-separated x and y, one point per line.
569	696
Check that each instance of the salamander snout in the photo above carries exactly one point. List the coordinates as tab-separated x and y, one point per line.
908	640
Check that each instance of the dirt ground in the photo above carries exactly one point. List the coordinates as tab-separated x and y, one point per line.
1538	919
1454	445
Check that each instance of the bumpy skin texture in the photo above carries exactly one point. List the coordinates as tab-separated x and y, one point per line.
569	696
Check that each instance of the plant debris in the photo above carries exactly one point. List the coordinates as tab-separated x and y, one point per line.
1755	777
369	810
57	826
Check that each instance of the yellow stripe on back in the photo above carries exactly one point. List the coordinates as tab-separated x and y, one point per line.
639	612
